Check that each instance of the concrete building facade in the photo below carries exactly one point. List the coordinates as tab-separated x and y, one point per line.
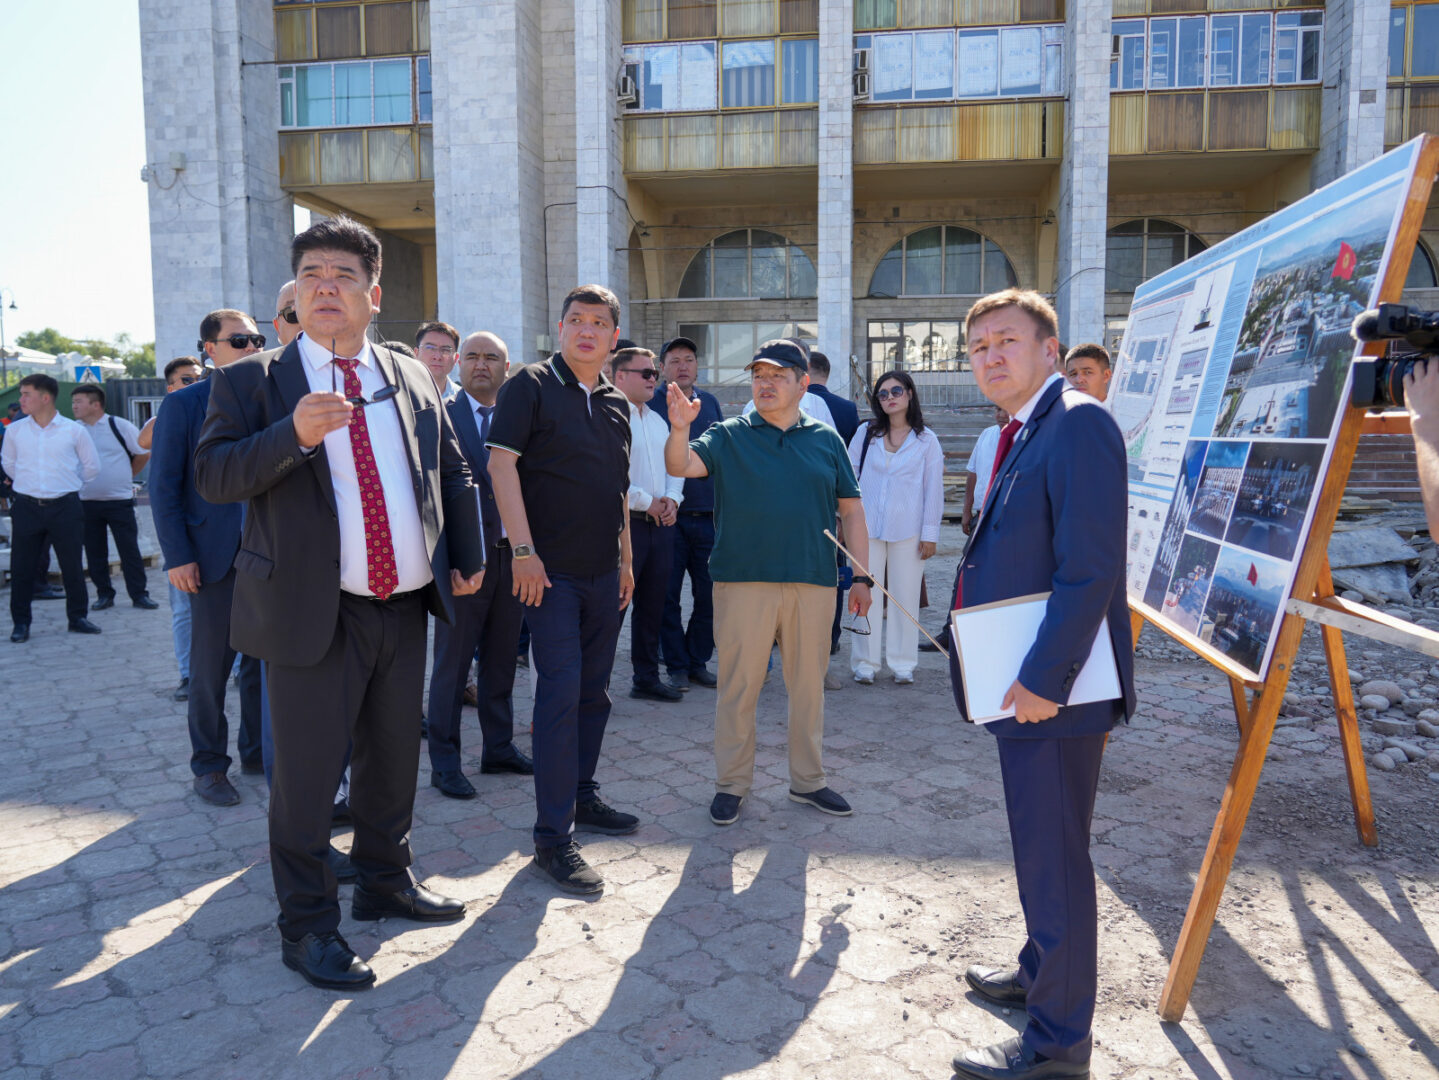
854	172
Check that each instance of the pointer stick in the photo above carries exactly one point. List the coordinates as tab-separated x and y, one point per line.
865	573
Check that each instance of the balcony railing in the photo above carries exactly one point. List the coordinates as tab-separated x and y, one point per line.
700	142
1214	120
376	155
993	131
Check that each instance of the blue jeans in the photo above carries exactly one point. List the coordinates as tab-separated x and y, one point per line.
685	649
180	629
575	629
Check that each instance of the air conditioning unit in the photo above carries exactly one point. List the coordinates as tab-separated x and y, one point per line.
861	59
627	93
861	86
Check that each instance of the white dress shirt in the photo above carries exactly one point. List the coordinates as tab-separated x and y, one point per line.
1028	409
648	479
117	475
903	491
50	461
812	405
981	460
387	440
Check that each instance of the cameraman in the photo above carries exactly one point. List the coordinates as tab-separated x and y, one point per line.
1421	394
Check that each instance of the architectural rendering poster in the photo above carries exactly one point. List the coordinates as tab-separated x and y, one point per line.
1230	387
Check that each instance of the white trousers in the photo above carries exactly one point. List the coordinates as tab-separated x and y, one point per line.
899	562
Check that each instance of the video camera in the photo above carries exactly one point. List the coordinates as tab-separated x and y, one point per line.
1379	381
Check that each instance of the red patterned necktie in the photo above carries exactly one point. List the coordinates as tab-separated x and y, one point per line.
379	547
1006	440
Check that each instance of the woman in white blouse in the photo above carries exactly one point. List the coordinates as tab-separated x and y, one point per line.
901	475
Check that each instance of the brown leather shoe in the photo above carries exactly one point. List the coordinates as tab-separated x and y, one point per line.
215	788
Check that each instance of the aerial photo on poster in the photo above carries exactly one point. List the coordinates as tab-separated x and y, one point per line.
1228	388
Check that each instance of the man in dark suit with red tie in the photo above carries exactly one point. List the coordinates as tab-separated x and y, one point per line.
1053	521
360	517
489	621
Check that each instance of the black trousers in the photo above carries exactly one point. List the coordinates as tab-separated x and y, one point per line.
365	692
490	622
652	551
689	648
35	523
118	515
211	659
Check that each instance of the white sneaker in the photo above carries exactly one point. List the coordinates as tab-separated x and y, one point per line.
864	678
905	679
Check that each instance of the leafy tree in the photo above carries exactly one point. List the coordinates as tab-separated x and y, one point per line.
48	340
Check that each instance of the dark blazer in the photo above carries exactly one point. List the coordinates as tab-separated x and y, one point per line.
190	528
287	585
844	411
477	457
1055	521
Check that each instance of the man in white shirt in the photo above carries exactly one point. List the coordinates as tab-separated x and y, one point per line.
436	344
109	500
980	467
654	503
48	458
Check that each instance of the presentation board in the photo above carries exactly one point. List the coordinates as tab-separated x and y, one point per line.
1230	387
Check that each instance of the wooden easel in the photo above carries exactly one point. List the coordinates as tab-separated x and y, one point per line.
1312	599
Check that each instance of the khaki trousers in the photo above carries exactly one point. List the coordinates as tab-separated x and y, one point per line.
748	617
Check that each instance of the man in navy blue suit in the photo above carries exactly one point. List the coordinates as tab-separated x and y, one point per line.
199	540
488	620
1053	520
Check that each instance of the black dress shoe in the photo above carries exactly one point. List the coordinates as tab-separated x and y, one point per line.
215	788
83	626
327	961
182	692
702	677
417	903
145	603
341	865
253	768
21	633
1014	1060
48	592
103	603
655	691
996	985
452	784
594	816
516	763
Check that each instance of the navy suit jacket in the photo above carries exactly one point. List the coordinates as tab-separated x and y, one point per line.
844	411
477	457
190	529
1055	521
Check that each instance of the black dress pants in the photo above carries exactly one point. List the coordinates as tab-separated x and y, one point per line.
365	691
35	523
118	515
211	660
652	552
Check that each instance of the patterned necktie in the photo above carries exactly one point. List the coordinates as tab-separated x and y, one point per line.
1006	440
379	547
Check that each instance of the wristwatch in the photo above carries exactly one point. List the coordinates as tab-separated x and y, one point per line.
860	579
522	551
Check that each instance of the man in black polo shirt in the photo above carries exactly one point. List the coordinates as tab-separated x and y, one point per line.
559	463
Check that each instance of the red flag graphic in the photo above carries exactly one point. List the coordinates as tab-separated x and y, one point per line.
1253	576
1344	265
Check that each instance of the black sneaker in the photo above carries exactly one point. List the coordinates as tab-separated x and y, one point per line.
824	799
567	869
724	810
595	816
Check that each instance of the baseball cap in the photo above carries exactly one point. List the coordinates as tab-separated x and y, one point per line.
679	343
781	353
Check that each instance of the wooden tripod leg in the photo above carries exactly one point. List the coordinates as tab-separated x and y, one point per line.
1241	704
1228	826
1343	693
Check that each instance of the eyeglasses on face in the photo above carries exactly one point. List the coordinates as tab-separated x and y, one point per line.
897	392
646	373
290	315
438	350
239	341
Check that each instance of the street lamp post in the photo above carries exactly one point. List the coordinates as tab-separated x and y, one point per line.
4	356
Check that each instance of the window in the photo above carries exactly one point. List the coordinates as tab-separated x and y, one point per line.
1421	270
747	74
1422	57
1398	17
930	65
946	260
1137	250
353	94
799	81
673	78
725	348
915	345
749	263
1296	46
425	99
1219	50
685	77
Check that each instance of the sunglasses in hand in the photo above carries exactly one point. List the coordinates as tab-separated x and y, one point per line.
359	401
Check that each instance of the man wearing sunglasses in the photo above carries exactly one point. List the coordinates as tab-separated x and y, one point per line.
287	319
654	501
199	540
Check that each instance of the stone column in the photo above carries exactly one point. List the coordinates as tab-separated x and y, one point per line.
489	169
1356	69
220	224
835	232
1084	174
602	226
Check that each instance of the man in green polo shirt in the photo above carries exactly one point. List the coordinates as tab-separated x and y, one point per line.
780	480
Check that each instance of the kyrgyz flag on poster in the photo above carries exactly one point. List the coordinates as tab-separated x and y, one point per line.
1344	265
1253	576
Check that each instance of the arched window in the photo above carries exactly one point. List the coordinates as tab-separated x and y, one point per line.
1137	250
1421	270
750	263
945	260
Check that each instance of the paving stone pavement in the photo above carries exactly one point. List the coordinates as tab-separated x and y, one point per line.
137	932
